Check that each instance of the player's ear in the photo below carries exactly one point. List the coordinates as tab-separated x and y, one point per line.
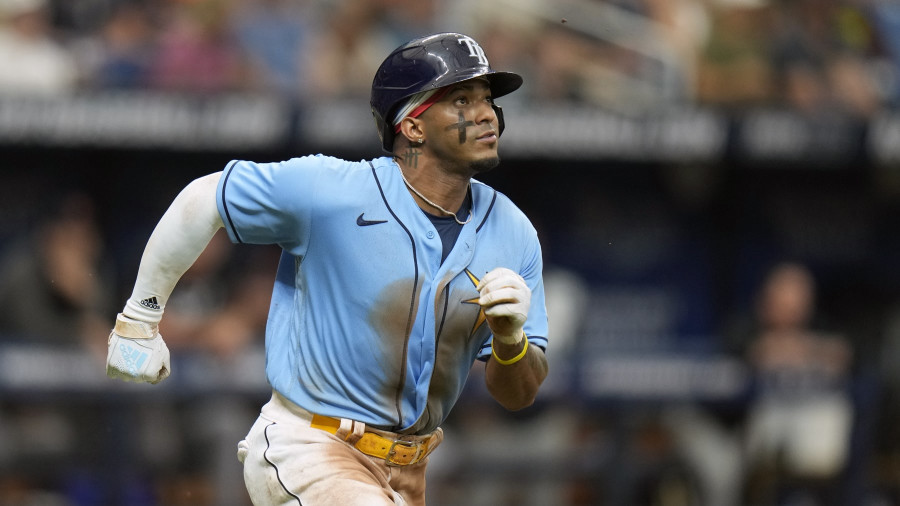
411	128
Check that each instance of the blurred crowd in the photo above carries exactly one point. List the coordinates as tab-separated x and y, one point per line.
802	433
628	55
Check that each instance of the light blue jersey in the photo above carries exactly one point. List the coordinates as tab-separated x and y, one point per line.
366	322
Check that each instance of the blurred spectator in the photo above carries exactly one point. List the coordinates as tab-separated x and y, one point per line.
275	35
734	67
34	62
854	89
346	52
559	58
121	54
197	50
407	19
797	431
511	39
684	27
54	288
820	53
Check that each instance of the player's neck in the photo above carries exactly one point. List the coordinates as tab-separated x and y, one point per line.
444	188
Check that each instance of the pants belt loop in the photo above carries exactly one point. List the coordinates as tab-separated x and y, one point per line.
345	429
359	428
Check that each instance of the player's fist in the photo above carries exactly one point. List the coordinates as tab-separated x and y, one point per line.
136	352
505	298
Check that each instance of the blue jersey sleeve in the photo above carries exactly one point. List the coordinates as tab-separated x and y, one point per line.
536	327
268	203
531	269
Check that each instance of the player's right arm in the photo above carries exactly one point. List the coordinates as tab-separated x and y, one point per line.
136	351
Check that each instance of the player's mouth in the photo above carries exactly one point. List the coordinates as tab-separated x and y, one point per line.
489	136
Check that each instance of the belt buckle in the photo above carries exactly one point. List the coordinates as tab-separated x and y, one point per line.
392	451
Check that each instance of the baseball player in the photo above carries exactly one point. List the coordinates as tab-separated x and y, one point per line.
396	275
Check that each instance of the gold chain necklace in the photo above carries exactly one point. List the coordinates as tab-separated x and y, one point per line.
432	204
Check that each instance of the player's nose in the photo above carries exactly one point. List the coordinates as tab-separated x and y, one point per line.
485	113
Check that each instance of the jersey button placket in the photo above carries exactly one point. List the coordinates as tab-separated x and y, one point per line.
430	234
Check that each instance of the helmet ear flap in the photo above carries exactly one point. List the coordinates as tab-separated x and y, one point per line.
379	124
385	131
500	123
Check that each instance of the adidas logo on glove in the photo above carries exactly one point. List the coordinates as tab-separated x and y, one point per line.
133	359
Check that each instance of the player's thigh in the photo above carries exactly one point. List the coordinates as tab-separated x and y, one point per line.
286	464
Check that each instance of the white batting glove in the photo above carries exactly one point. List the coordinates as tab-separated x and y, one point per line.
505	298
136	352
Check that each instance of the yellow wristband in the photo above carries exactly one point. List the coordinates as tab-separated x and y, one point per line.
512	360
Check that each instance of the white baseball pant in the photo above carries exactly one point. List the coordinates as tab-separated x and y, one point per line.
288	462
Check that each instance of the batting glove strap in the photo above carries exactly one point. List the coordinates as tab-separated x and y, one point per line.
134	329
511	339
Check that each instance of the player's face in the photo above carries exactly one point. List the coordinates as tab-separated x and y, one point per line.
463	126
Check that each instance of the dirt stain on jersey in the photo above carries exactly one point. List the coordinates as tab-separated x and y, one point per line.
393	318
452	357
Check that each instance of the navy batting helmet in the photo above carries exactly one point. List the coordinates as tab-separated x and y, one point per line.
428	63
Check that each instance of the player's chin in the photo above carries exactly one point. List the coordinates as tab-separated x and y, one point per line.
484	164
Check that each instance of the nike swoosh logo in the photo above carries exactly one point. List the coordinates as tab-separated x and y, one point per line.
365	223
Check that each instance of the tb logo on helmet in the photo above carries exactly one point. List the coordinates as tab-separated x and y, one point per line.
475	50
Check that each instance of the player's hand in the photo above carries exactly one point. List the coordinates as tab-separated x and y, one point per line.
136	352
505	298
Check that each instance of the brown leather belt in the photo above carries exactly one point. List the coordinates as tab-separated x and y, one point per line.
394	451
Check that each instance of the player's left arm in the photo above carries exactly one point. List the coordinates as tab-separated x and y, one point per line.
515	369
